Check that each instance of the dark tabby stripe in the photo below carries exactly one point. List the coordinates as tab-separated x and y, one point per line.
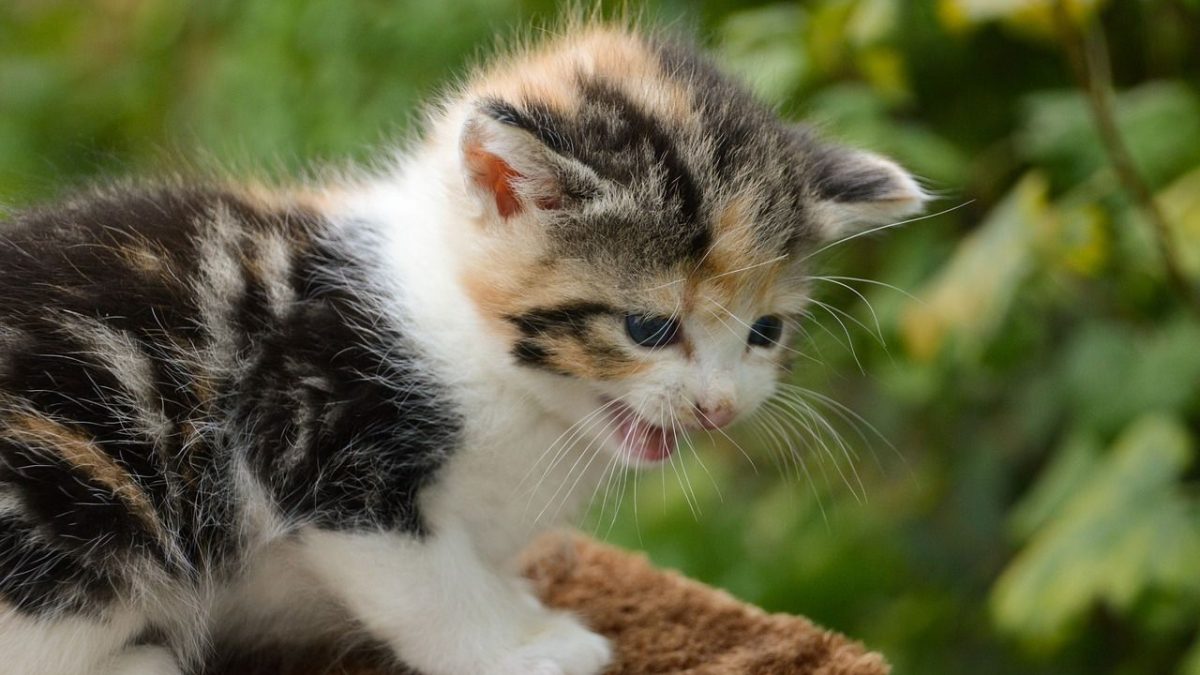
155	343
545	330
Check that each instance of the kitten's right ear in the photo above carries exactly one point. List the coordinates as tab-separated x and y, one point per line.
509	168
856	188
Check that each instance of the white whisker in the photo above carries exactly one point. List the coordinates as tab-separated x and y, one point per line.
881	228
870	307
748	267
875	282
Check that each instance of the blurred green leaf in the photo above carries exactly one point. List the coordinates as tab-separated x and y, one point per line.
860	115
1072	467
1058	132
1180	203
1030	16
966	303
1191	662
1113	375
1128	530
765	48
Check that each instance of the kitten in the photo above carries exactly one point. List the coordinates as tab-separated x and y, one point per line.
247	417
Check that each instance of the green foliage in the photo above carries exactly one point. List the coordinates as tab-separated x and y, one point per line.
1125	527
1020	493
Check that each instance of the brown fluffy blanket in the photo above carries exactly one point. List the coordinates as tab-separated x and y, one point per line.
659	622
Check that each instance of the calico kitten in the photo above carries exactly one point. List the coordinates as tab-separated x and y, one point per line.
231	415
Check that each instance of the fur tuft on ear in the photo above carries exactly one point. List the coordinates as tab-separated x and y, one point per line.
511	169
856	189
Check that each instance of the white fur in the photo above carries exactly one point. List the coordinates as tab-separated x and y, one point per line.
445	609
143	661
73	646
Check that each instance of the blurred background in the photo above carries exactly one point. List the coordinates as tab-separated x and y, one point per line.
1006	477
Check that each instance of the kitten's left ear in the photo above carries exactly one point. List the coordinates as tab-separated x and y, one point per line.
513	165
857	189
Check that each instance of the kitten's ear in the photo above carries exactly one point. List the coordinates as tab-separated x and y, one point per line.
508	167
857	189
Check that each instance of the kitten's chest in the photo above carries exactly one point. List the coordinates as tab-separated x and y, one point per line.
518	474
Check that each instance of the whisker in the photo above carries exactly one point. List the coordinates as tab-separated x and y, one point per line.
682	470
735	444
854	421
566	446
797	460
614	465
687	440
841	410
876	282
660	286
802	330
834	310
711	247
683	489
799	408
619	481
848	344
789	429
609	478
881	228
637	527
569	429
767	439
870	307
583	472
748	267
736	318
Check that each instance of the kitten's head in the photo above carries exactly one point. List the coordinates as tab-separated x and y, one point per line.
642	228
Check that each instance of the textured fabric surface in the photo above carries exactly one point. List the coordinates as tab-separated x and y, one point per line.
659	622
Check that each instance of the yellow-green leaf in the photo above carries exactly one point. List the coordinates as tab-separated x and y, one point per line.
1033	17
1128	530
764	46
1180	204
968	300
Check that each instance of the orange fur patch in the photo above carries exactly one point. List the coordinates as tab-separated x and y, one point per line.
84	455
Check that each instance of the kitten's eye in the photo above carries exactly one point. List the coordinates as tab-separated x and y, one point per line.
652	331
766	331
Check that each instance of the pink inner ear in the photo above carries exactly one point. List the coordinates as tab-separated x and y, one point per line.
497	177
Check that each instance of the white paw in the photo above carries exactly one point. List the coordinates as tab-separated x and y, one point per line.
562	647
144	661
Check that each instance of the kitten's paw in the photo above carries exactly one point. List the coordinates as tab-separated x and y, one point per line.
144	661
562	647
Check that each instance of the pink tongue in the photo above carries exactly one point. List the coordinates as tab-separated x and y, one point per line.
646	441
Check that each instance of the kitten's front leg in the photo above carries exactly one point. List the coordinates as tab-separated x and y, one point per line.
445	611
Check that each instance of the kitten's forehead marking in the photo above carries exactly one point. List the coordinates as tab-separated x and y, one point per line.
548	74
687	152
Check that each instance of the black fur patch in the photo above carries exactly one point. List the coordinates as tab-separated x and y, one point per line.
570	318
347	429
542	327
320	397
535	119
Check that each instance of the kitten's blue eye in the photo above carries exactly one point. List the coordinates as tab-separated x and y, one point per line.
652	331
766	331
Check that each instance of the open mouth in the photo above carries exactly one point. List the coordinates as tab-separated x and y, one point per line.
640	440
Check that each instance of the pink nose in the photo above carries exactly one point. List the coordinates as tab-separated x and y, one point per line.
715	416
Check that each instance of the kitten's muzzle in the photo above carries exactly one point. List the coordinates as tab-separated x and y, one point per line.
714	416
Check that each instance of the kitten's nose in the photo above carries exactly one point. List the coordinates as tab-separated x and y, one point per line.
715	415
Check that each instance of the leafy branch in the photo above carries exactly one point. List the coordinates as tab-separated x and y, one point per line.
1088	56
